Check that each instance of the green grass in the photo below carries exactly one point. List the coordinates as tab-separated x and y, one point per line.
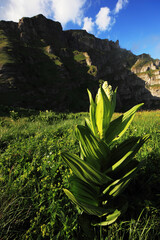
3	40
93	70
150	73
79	56
53	57
5	58
153	86
32	177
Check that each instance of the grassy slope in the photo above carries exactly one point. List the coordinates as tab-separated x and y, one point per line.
32	175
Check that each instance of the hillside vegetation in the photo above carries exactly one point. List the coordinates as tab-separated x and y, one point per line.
32	177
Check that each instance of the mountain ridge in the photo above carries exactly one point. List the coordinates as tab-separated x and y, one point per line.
44	67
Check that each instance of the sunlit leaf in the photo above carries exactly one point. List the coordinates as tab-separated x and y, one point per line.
118	186
124	153
111	218
119	126
92	112
103	112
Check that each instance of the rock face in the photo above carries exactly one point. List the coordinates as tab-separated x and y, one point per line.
148	69
31	29
44	67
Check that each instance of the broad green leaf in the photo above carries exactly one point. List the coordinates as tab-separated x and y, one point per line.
84	193
118	152
113	130
96	152
84	170
124	153
92	112
119	126
90	209
88	123
103	113
118	186
132	164
111	218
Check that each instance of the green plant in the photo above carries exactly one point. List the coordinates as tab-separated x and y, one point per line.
104	167
14	115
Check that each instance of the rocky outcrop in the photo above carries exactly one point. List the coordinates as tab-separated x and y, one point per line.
145	64
80	39
39	27
46	67
9	26
148	69
88	59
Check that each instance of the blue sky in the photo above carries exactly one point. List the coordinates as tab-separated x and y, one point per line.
135	23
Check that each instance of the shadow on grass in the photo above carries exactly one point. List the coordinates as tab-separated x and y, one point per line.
22	112
144	190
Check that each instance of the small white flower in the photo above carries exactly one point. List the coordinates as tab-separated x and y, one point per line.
108	90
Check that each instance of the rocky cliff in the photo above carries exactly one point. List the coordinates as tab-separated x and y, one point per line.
148	69
44	67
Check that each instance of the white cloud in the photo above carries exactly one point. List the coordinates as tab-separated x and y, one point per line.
103	19
68	10
88	24
106	18
16	9
61	10
120	4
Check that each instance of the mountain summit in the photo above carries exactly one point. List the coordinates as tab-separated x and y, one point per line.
44	67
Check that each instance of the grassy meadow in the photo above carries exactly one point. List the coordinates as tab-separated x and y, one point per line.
32	177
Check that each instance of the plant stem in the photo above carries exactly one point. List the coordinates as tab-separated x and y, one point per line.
100	232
